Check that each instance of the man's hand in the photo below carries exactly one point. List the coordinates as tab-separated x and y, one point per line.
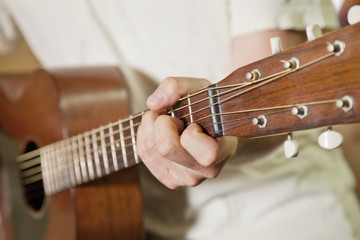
174	155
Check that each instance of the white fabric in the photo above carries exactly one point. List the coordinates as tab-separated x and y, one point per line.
281	14
271	198
9	34
157	42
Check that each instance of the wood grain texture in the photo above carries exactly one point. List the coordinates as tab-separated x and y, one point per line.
331	78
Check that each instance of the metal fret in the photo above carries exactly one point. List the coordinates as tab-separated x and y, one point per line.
171	111
69	162
133	139
82	158
89	158
104	152
60	167
51	168
76	162
64	162
190	110
45	171
123	146
96	155
55	169
113	151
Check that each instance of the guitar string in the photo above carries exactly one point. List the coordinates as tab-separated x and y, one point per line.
261	84
54	170
69	149
286	107
234	88
234	95
265	82
244	84
28	163
65	169
267	108
26	156
34	177
26	171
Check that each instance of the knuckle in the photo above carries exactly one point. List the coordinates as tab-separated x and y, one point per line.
187	136
170	185
170	82
194	181
167	179
172	86
162	119
145	149
209	158
149	145
143	152
166	148
211	173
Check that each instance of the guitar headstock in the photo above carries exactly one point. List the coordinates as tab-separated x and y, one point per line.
315	84
312	85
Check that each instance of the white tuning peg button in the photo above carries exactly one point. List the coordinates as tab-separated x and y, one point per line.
330	139
354	14
313	32
291	148
276	46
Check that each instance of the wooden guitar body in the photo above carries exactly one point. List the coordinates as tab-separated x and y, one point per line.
44	108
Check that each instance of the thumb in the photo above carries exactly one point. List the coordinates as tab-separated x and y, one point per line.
172	89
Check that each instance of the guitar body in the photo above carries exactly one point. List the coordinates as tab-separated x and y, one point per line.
44	108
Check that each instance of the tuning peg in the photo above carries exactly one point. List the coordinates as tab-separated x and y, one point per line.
330	139
291	148
276	45
354	14
313	32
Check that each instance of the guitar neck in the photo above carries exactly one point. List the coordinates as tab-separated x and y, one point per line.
85	157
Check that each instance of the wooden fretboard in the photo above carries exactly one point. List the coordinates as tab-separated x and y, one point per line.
90	155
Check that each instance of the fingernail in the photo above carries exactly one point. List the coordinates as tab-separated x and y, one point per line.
156	98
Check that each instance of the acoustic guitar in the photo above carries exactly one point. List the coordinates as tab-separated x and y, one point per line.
316	84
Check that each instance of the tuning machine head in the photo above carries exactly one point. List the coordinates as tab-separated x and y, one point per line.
330	139
313	32
276	46
353	15
291	148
